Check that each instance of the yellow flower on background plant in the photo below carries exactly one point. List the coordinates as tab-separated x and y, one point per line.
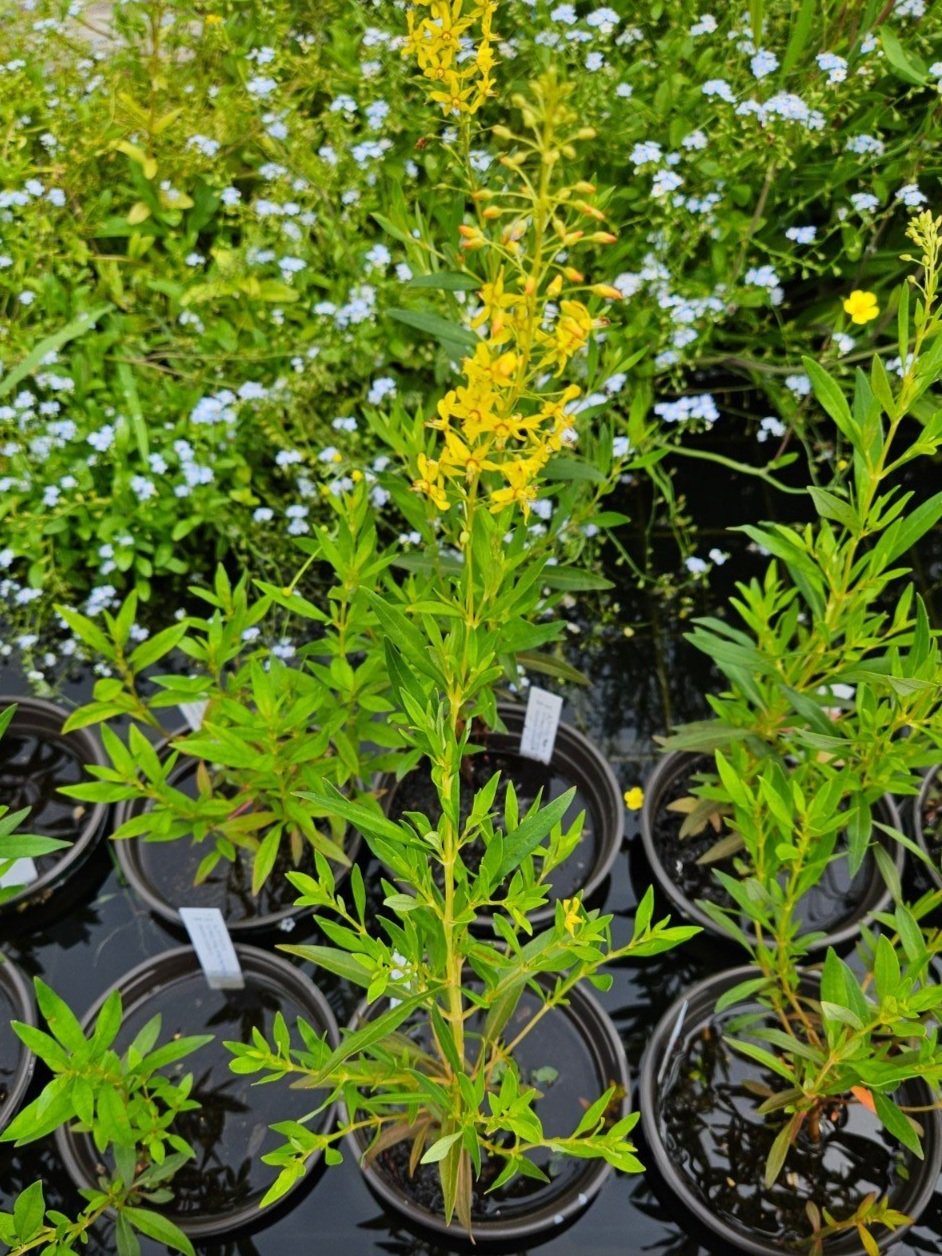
634	798
861	306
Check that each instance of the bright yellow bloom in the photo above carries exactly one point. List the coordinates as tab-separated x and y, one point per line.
460	457
428	482
212	19
573	917
634	798
861	306
521	488
571	331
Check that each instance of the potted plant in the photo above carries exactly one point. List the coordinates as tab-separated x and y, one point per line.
463	1117
210	815
127	1104
38	759
162	1153
792	1108
820	673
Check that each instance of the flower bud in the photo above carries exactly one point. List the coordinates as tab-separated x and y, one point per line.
585	208
586	133
554	287
573	275
502	132
584	188
606	290
603	237
573	237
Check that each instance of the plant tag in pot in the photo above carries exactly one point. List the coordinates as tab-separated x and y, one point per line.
540	724
213	947
20	872
193	713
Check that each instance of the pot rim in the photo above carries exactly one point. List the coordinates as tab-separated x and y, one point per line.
46	719
932	868
603	1042
670	766
648	1102
135	986
128	857
584	760
21	995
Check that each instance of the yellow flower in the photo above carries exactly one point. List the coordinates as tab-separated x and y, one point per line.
634	798
212	19
861	306
428	482
521	488
573	917
458	456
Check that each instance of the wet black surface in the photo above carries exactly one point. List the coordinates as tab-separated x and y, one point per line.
641	681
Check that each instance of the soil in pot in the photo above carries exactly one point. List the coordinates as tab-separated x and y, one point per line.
718	1143
33	767
827	906
416	792
224	1184
570	1063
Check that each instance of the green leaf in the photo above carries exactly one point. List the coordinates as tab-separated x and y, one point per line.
908	68
897	1122
450	335
446	281
573	579
439	1149
78	327
828	392
572	469
156	1226
740	992
29	1210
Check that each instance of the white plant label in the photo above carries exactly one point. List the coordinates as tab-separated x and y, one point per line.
540	724
20	872
213	947
193	713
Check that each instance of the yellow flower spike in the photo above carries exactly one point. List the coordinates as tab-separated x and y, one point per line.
861	306
634	798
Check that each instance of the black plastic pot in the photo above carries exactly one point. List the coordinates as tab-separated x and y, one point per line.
576	761
221	1190
838	911
16	1062
930	781
36	757
580	1042
690	1020
162	874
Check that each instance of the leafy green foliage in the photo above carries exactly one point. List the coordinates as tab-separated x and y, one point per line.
127	1106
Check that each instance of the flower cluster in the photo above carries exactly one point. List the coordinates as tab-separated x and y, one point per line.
440	40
